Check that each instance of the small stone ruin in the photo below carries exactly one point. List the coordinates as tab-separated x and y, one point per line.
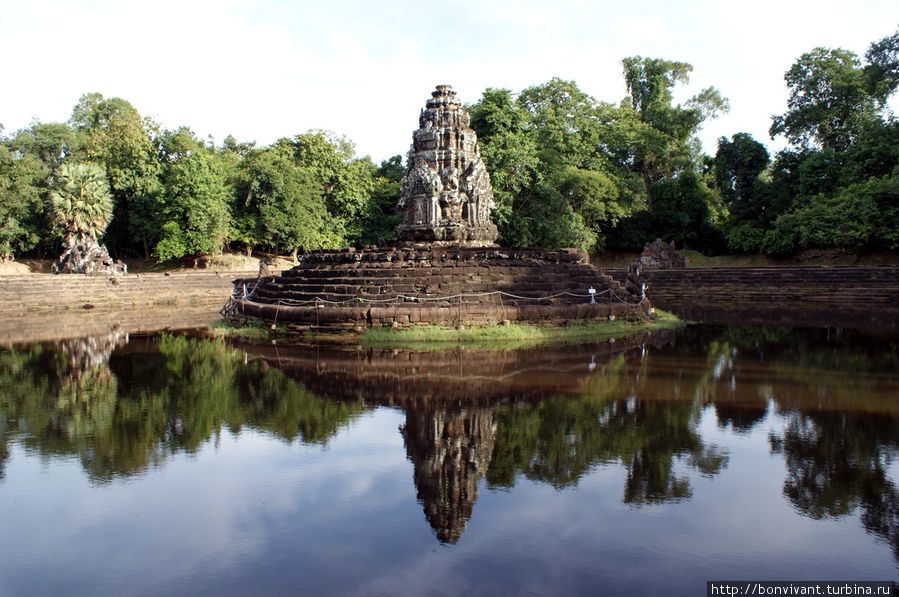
656	255
88	258
660	255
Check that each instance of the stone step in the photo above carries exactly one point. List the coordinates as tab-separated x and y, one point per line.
368	275
443	288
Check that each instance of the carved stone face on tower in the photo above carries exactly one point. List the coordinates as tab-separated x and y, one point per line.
446	195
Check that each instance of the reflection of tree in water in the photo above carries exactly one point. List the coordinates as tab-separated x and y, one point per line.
271	402
87	388
450	450
62	394
841	434
85	355
740	417
836	462
739	406
138	410
558	440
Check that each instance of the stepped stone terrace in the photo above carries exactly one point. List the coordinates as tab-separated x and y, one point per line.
428	284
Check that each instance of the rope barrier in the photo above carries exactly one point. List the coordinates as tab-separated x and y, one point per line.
423	299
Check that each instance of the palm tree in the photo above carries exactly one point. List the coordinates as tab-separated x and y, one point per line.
80	202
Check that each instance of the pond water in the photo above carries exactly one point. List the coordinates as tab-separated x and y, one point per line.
181	465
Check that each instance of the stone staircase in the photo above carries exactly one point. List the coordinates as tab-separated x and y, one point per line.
435	285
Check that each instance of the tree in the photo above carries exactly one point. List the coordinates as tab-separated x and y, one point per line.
509	150
37	153
544	217
345	180
857	216
111	132
545	154
837	187
51	143
237	148
80	202
283	200
193	209
381	216
392	169
882	70
829	100
684	213
738	164
661	131
556	153
593	195
564	123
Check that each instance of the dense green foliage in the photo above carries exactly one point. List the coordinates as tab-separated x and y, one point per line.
836	185
20	202
282	204
567	170
571	171
193	209
174	195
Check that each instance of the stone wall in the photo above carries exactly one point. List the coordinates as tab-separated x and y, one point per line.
44	306
851	296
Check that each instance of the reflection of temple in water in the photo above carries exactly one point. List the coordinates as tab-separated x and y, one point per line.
450	450
450	399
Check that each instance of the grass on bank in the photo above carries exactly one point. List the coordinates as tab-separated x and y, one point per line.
434	337
252	331
514	335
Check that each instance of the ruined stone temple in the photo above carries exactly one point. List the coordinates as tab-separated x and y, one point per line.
444	267
446	194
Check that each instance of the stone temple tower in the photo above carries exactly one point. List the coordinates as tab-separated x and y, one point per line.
446	196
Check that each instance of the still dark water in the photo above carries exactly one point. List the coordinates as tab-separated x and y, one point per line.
179	465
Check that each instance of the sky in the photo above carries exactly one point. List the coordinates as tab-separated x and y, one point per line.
265	69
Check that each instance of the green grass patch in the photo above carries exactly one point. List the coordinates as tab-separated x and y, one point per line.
251	331
697	259
515	335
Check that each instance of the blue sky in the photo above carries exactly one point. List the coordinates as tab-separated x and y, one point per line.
267	69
